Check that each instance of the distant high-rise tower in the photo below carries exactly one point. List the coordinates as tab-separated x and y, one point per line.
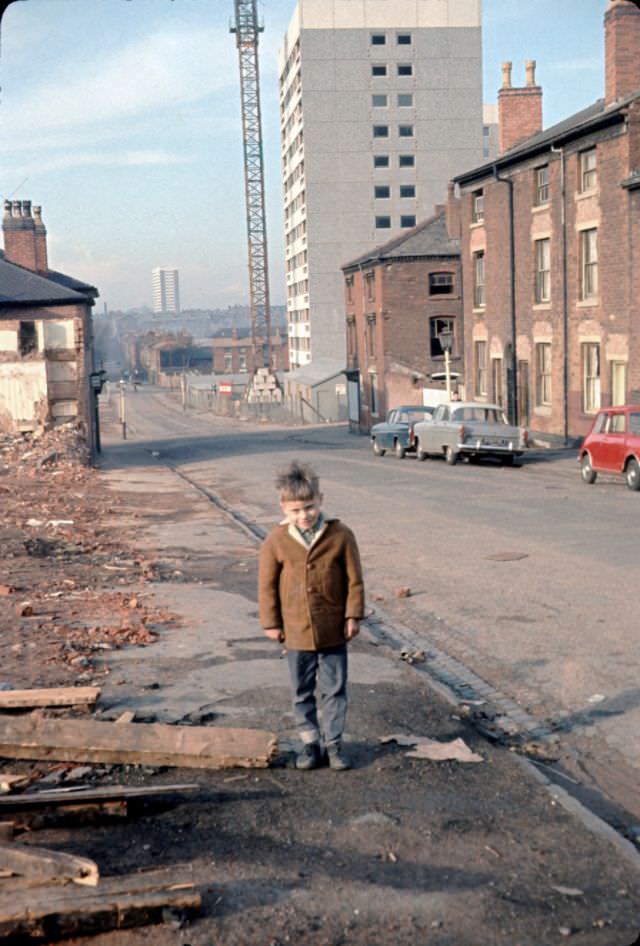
166	289
380	106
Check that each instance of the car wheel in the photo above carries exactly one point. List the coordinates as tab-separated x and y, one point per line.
451	456
399	450
508	459
420	453
632	474
587	472
377	449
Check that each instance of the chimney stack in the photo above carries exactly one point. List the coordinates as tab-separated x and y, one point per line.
18	229
519	109
622	50
42	261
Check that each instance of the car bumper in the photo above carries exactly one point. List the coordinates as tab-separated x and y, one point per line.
477	448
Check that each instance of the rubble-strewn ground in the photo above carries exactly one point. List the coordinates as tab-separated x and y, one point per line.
397	852
63	569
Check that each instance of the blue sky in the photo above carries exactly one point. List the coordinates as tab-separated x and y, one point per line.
121	117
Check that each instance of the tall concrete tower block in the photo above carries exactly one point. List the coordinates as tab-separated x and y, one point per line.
380	105
166	289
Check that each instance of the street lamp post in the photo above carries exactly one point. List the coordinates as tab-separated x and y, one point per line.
446	340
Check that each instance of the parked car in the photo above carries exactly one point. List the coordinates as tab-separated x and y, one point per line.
467	428
396	432
613	446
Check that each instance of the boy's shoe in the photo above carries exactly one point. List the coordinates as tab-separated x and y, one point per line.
337	758
310	756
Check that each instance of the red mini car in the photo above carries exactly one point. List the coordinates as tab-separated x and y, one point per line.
613	446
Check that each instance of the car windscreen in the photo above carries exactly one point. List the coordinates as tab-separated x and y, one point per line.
479	415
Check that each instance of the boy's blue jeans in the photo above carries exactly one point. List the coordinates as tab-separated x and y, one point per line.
328	670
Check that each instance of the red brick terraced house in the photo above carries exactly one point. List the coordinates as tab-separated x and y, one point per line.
46	339
550	244
399	298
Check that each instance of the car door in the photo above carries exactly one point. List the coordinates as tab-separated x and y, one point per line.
436	430
614	443
596	442
385	436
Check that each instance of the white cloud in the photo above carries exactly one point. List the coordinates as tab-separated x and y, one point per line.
83	159
161	73
582	64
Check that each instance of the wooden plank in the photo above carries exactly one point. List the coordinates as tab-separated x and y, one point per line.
54	696
80	795
47	866
35	819
45	914
9	782
198	747
127	717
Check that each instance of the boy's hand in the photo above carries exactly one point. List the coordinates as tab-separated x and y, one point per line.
352	628
275	634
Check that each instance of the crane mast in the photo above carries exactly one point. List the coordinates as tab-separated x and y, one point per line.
247	32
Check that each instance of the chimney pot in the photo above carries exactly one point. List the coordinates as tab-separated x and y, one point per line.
7	209
16	208
519	109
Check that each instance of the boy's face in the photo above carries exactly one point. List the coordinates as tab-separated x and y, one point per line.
302	513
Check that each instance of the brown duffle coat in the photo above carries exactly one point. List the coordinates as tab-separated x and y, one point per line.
310	592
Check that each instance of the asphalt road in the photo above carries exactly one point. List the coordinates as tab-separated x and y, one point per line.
525	574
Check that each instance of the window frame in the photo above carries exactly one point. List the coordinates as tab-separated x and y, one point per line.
588	164
381	161
543	378
405	95
406	160
438	324
379	225
481	367
542	260
377	192
404	221
477	206
380	131
408	70
406	131
591	377
408	187
377	39
448	283
381	104
379	66
404	39
589	264
479	285
541	186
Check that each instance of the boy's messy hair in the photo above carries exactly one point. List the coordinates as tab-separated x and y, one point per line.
299	482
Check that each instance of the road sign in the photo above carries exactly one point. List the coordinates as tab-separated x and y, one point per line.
225	388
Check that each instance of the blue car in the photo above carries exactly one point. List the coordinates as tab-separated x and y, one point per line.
396	432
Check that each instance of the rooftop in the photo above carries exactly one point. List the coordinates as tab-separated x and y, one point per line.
22	287
429	239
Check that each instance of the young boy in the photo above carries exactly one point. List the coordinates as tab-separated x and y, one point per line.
311	597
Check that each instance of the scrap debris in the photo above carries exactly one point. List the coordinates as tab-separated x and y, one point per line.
425	748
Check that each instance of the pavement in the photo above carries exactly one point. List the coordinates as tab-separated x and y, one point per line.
400	849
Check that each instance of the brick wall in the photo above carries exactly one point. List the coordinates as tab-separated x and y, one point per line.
389	335
608	319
